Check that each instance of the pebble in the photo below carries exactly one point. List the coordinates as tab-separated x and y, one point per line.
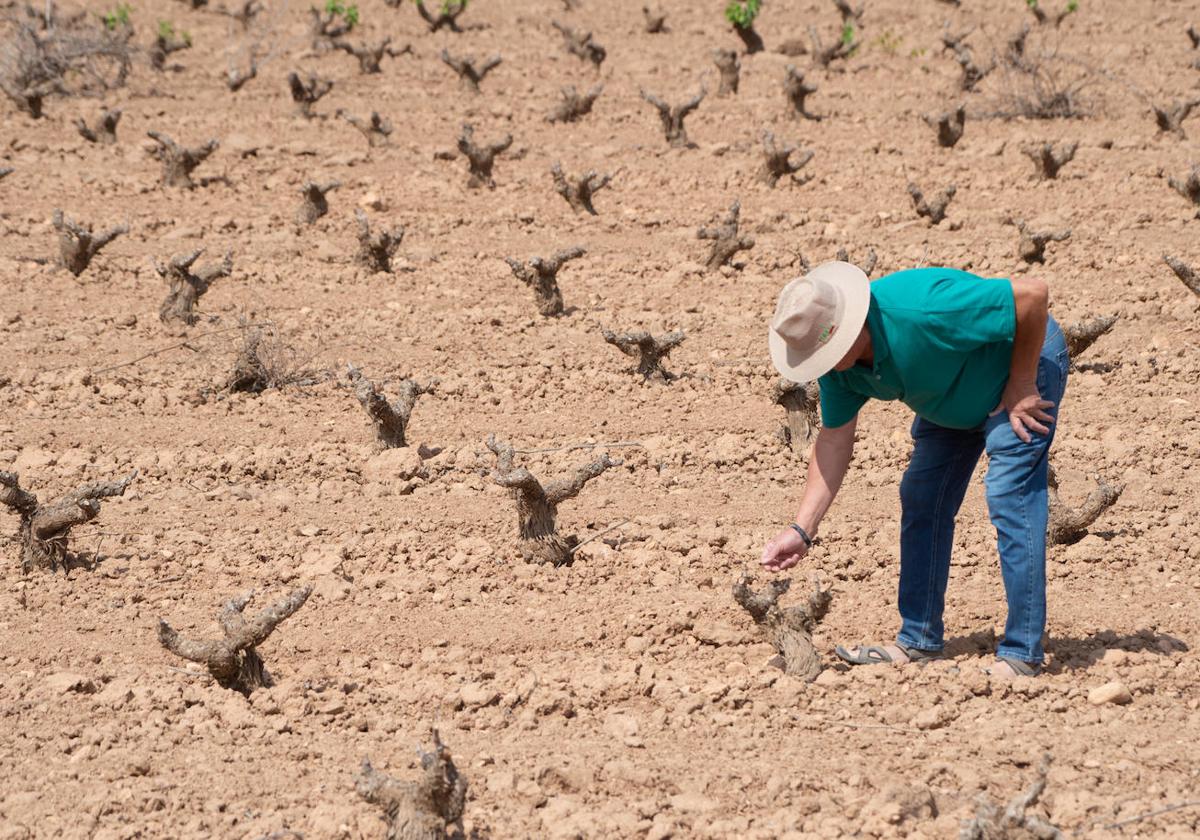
1113	692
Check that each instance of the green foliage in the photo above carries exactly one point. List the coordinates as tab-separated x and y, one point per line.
118	17
847	35
741	13
1072	6
348	13
889	42
166	32
448	6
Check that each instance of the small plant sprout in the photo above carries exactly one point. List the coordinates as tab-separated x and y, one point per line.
741	13
118	18
349	14
649	350
788	629
1056	18
165	43
447	14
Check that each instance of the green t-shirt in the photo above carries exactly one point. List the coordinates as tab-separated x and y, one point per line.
942	343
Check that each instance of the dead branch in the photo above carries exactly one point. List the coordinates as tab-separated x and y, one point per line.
730	68
541	275
1083	334
650	350
797	92
1188	186
70	57
574	105
801	403
243	14
179	161
313	204
990	823
935	211
868	264
375	129
823	55
580	43
789	629
1193	36
672	118
233	660
325	29
1032	245
1048	160
389	418
949	125
725	239
778	161
537	505
265	362
447	14
305	93
185	287
850	15
480	159
1170	118
972	73
105	132
579	189
468	73
1057	18
44	529
656	22
77	243
236	77
1184	272
1068	525
424	809
370	57
375	250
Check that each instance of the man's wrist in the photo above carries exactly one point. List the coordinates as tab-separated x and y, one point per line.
805	534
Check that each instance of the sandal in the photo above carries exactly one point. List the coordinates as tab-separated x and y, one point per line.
1020	668
879	655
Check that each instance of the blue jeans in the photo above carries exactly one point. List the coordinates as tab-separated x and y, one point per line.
932	491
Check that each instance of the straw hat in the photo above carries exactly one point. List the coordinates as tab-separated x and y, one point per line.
817	320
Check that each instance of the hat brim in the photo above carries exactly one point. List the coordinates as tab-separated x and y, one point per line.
855	287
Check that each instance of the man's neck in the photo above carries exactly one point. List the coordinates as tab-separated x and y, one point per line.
867	356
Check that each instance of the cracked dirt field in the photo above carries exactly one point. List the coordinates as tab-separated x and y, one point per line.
626	695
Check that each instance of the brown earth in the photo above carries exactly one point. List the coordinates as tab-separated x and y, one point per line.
626	695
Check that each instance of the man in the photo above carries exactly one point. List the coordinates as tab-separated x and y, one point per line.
983	366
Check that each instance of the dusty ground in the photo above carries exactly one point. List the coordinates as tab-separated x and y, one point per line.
625	696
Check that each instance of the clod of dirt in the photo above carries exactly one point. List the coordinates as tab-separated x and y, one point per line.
305	93
424	809
541	275
179	161
867	266
370	57
1083	334
1170	118
949	125
650	350
672	118
185	287
797	91
480	159
656	22
580	43
574	105
166	43
77	244
1014	822
1188	186
446	16
579	189
468	73
1069	525
934	210
1184	272
105	132
725	239
972	73
44	529
313	204
376	129
537	505
389	418
778	161
801	403
730	68
1032	245
788	629
823	55
375	250
1048	160
233	660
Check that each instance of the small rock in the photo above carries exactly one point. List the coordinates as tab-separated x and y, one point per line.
391	465
624	728
474	695
1113	692
935	717
65	682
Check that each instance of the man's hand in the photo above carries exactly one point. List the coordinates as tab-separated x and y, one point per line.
1026	409
783	551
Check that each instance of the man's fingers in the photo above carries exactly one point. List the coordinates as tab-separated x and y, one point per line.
1018	428
1042	415
1045	404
